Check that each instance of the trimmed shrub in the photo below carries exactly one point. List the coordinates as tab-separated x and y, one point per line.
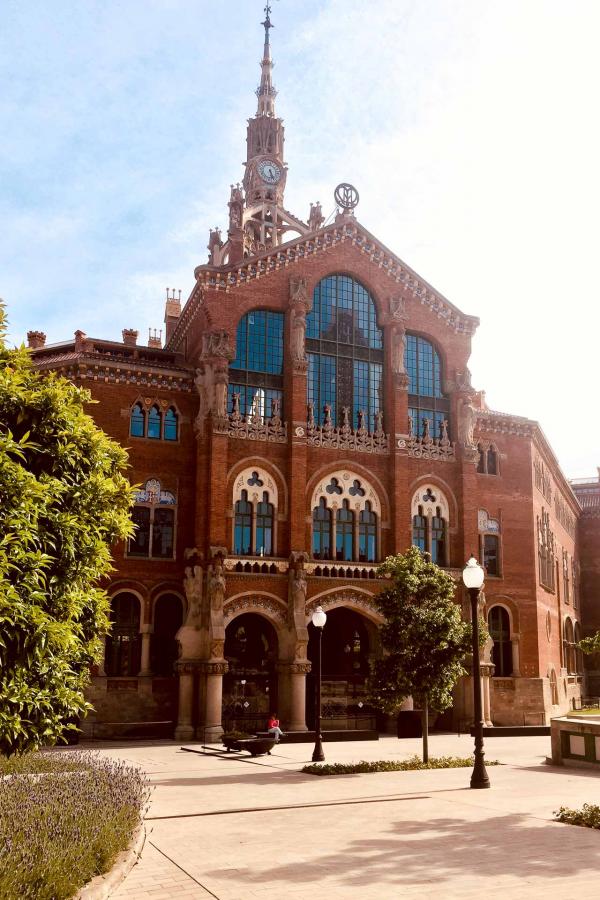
64	817
386	765
588	816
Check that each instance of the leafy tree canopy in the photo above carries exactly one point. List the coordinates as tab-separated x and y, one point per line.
590	644
424	638
64	499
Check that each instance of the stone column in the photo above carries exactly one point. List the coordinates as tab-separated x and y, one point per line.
146	633
293	676
486	673
516	656
185	727
209	727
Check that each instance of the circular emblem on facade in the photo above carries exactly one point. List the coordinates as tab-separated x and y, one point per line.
346	196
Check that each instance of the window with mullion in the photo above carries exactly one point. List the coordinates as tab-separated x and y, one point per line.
256	373
243	526
426	399
344	533
321	531
345	351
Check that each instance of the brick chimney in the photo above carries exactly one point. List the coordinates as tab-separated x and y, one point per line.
155	340
36	339
172	313
130	336
80	339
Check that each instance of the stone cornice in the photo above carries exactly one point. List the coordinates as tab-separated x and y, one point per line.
226	278
95	367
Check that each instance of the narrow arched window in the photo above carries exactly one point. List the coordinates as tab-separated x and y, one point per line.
492	462
419	531
322	531
243	526
491	554
367	534
438	540
344	536
264	527
499	628
171	425
426	399
345	352
154	423
481	460
139	544
123	642
569	647
256	373
137	420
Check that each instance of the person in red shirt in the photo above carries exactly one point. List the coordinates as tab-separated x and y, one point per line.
274	728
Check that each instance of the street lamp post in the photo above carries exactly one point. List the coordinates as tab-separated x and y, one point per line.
318	619
473	581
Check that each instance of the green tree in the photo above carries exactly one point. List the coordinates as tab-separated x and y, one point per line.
64	499
590	644
425	641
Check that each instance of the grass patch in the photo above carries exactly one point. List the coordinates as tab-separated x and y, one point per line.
413	764
58	831
588	816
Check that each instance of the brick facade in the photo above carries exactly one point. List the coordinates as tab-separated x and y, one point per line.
272	261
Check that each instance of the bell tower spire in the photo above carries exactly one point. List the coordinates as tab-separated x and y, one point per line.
265	92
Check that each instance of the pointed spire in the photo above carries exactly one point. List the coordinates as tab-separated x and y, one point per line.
265	92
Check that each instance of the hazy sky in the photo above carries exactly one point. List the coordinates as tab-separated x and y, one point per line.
470	128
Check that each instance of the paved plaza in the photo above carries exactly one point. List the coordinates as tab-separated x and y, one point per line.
236	828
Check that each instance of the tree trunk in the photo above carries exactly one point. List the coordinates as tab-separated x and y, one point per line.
425	729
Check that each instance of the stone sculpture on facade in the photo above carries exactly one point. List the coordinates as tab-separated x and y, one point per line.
299	307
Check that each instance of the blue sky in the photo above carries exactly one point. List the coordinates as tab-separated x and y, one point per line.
470	128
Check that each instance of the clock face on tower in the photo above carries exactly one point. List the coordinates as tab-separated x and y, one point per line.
269	171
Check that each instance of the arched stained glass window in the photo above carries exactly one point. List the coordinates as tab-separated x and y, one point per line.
367	534
345	351
137	421
499	628
243	526
322	531
256	373
344	533
264	526
425	397
170	425
154	423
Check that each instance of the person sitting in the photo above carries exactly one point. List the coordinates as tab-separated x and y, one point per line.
274	728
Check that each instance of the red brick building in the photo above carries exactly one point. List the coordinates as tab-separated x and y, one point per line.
311	412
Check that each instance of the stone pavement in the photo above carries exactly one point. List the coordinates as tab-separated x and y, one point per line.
235	828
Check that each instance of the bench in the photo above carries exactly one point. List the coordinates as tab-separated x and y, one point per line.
257	746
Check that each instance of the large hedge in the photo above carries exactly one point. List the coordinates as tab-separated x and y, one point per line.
64	499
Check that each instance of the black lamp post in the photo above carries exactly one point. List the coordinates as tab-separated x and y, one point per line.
318	619
473	581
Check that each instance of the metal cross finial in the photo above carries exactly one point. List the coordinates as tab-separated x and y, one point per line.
267	22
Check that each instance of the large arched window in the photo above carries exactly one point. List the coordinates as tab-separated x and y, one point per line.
345	351
123	642
255	501
425	397
499	628
346	515
256	373
430	513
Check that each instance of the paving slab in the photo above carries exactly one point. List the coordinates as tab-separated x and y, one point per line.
236	828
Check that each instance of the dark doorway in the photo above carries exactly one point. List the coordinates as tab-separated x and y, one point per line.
345	668
168	617
250	685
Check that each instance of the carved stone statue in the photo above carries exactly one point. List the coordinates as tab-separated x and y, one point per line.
216	585
398	308
221	376
192	584
299	292
217	343
467	419
398	348
298	334
298	589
